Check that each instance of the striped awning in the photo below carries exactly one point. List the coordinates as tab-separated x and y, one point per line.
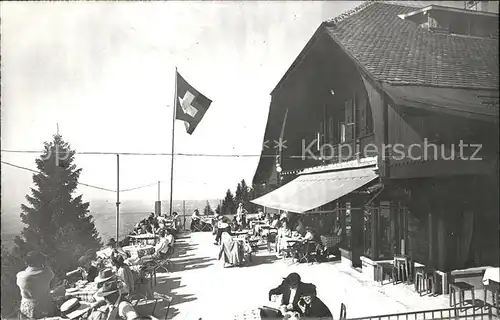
310	191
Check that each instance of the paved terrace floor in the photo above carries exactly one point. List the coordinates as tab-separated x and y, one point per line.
202	288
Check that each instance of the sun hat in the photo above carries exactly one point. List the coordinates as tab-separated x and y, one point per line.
73	309
107	289
104	275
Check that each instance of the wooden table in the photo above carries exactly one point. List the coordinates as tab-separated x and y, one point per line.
249	315
85	293
139	251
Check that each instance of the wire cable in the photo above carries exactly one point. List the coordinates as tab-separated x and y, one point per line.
36	171
170	154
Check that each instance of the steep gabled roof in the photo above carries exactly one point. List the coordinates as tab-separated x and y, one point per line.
399	52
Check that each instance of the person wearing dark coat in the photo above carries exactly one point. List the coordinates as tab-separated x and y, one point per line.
291	290
311	307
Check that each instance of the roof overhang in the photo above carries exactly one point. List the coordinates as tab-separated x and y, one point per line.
475	104
447	9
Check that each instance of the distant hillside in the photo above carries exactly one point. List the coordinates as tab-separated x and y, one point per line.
104	212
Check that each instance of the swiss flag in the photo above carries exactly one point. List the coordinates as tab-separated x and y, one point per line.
191	104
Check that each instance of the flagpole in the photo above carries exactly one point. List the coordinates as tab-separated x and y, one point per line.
173	141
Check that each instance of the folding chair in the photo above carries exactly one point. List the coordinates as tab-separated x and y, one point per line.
301	251
158	296
197	226
162	264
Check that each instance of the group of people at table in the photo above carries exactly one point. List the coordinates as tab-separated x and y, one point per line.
275	228
296	300
104	282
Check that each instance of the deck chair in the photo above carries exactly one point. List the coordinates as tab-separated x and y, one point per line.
158	296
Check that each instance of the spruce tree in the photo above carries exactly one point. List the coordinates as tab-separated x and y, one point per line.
245	195
58	223
208	209
238	195
228	204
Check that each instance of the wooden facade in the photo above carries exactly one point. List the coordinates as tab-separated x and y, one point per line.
442	212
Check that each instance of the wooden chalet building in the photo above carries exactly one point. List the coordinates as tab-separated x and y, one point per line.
385	74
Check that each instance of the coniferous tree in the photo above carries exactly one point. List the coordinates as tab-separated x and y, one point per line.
228	204
245	195
58	223
208	210
218	210
238	195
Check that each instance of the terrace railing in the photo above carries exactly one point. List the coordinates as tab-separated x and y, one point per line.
470	312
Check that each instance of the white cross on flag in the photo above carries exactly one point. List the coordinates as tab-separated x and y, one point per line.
191	104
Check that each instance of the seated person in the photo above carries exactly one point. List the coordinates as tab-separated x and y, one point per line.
312	307
170	240
124	274
175	221
235	226
291	290
309	236
112	305
87	268
275	222
262	215
161	249
116	249
299	227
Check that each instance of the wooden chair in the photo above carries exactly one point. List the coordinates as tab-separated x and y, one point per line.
158	296
494	288
402	269
385	269
461	288
425	280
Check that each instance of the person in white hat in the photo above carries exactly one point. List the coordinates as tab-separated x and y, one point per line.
74	309
112	304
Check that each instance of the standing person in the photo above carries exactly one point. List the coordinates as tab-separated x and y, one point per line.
222	226
34	286
195	219
241	213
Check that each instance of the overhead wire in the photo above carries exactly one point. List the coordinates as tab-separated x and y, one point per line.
81	183
175	154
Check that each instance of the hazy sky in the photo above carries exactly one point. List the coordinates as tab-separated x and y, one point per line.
105	73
